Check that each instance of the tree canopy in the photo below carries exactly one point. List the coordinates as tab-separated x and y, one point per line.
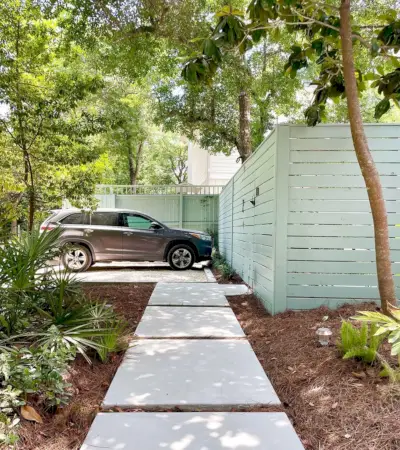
91	92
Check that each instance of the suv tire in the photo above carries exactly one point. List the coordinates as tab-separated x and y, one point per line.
181	257
77	258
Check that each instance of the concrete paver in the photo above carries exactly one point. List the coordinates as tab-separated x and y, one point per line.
140	274
165	296
190	374
192	431
181	321
173	288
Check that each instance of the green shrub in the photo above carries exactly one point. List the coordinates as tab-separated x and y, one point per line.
40	371
10	399
360	343
222	265
44	321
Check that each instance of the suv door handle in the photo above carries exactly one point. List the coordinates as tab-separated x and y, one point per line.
128	233
88	230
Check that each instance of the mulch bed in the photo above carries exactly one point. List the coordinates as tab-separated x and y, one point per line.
333	404
236	279
67	428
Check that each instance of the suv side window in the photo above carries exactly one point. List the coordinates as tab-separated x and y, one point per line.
109	219
74	219
137	222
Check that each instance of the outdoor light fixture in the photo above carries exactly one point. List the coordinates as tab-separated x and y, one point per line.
324	335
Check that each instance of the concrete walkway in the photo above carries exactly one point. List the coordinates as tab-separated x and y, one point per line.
170	365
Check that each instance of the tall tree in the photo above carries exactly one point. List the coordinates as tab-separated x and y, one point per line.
325	33
246	97
126	110
165	159
41	87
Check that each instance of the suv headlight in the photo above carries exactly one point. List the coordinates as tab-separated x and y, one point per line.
203	237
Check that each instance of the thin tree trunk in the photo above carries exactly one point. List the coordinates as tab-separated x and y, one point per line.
138	159
134	162
244	126
368	168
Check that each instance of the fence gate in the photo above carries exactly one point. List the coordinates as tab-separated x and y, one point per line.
181	206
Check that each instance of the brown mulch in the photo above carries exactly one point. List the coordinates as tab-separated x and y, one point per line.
333	404
67	428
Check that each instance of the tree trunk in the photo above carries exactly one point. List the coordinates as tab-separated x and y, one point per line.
368	168
244	126
32	207
134	162
132	168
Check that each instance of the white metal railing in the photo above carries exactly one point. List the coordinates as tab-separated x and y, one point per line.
167	189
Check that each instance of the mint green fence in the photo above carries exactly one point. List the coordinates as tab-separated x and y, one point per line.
295	221
192	207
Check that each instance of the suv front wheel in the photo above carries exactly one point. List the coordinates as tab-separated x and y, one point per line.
76	258
181	257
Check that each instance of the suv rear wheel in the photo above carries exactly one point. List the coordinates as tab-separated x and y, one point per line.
77	258
181	257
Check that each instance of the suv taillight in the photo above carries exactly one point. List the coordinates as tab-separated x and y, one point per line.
47	227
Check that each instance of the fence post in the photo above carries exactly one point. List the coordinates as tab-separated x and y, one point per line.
232	201
282	157
180	207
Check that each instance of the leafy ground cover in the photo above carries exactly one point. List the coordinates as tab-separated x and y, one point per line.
59	345
67	428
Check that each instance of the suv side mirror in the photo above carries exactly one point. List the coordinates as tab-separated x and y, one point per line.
155	226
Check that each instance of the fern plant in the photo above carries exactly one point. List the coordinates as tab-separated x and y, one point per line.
385	326
359	343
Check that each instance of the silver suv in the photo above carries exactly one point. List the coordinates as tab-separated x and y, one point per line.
124	235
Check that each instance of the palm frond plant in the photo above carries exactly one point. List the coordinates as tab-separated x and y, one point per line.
25	259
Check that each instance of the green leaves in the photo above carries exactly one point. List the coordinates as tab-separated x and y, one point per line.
231	31
318	45
360	343
389	86
384	326
314	114
260	11
297	60
390	35
199	69
381	108
211	50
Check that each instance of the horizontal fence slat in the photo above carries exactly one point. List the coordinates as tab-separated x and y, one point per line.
336	255
350	267
311	303
338	218
335	130
333	291
319	279
337	242
339	206
339	156
340	168
338	230
315	193
333	144
339	181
